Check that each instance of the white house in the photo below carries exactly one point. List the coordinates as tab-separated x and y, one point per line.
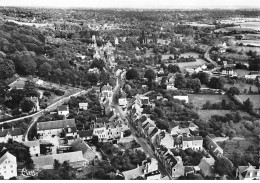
55	128
151	171
171	87
34	147
248	173
142	100
63	110
8	166
122	102
185	98
106	92
83	106
194	143
99	129
12	133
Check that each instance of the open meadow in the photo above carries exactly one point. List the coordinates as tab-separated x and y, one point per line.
253	98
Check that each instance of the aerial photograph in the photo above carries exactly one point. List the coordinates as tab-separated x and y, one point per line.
129	90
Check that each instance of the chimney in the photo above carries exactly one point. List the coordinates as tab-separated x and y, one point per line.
13	128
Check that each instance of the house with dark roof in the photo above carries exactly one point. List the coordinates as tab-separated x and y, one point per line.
57	128
12	133
213	148
34	147
86	134
142	100
248	173
63	110
87	151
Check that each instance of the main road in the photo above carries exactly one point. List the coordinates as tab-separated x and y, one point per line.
207	57
141	141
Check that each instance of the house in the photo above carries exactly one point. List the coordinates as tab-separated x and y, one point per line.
134	173
142	100
63	110
194	143
113	130
188	170
173	165
96	89
213	147
185	98
56	128
207	167
85	134
106	91
12	133
227	71
177	130
83	106
151	171
122	102
222	47
171	87
8	166
248	173
165	139
34	147
87	151
76	160
99	129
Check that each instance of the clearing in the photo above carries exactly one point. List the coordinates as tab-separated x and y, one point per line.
253	98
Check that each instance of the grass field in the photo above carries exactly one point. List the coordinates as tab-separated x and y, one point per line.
200	100
242	87
247	49
206	114
253	98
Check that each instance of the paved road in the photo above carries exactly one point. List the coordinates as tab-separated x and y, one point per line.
51	107
141	141
206	56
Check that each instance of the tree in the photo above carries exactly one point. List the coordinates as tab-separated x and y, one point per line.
180	81
27	105
223	166
203	77
216	83
45	69
173	68
150	75
233	91
7	69
248	105
15	96
56	165
98	63
25	64
195	85
93	78
207	105
231	133
3	89
30	89
132	74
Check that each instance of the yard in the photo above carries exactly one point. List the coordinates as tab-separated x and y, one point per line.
242	87
200	100
206	114
253	98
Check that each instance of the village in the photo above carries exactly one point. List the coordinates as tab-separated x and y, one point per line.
138	108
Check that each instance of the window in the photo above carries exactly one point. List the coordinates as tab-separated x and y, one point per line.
12	171
4	171
11	166
4	167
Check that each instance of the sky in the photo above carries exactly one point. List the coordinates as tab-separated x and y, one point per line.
155	4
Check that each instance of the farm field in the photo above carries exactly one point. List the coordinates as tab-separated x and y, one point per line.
253	98
242	72
249	42
247	49
206	114
242	87
200	100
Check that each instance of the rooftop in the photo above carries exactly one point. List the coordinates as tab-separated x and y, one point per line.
66	123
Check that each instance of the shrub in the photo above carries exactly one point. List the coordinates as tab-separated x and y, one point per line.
59	92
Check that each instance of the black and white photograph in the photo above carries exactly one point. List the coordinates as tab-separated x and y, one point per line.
130	90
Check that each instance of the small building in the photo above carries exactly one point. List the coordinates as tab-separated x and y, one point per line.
207	167
76	160
248	173
34	147
142	100
213	148
151	171
171	87
134	173
85	134
56	128
96	89
12	133
99	129
87	151
194	143
83	106
122	102
185	98
8	166
63	110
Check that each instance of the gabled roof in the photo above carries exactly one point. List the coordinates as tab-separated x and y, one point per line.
48	160
85	133
80	145
63	108
8	156
171	160
106	87
59	124
12	131
134	173
192	138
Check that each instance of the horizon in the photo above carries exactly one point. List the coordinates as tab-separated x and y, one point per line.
134	4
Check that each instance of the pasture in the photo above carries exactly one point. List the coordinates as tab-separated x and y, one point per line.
247	49
253	98
206	114
200	100
242	87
